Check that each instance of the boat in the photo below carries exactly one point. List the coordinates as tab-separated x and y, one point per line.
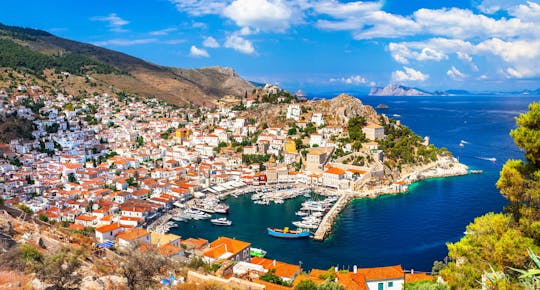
221	222
476	171
179	218
396	115
382	106
256	252
221	208
286	233
301	213
305	225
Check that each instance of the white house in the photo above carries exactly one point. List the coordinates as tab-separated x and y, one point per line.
317	119
108	232
374	132
293	112
332	177
383	278
133	237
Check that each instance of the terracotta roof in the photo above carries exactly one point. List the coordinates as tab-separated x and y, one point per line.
381	273
169	250
132	234
108	228
282	269
335	170
410	277
225	245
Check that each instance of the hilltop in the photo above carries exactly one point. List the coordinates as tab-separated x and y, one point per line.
46	56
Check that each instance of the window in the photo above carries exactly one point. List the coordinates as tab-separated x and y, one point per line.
380	286
390	284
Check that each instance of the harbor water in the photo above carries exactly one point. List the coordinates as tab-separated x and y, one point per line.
409	229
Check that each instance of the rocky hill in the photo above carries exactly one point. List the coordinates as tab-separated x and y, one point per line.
336	111
397	90
35	50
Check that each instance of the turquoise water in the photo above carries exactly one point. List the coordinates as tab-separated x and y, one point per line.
410	229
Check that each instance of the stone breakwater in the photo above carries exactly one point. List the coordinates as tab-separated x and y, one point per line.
442	168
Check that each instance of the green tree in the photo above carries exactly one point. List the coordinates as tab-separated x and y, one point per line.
72	178
520	180
491	239
426	285
25	208
306	285
43	217
354	127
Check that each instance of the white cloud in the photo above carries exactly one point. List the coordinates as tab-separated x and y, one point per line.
492	6
402	52
529	12
200	7
125	42
464	56
240	44
165	31
264	15
408	74
455	74
210	42
115	23
483	77
352	80
198	52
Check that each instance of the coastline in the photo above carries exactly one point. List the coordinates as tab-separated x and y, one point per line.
442	168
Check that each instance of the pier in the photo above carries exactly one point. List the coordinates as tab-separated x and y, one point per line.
325	228
327	222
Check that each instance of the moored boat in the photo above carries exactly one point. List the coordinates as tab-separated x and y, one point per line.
286	233
256	252
221	222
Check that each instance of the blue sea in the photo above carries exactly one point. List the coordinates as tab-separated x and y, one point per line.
410	229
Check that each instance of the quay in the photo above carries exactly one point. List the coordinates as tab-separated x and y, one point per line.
325	227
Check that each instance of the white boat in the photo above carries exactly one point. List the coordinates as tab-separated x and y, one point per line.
305	225
301	213
197	215
179	218
221	222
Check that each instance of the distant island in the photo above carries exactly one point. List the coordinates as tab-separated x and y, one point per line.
401	90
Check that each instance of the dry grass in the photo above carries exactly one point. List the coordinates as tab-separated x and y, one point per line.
14	280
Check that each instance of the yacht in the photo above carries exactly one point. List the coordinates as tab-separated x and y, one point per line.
221	222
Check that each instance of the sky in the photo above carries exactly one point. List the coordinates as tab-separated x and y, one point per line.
314	45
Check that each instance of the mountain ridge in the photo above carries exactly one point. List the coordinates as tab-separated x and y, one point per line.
174	85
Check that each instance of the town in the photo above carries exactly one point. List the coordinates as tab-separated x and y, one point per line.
120	168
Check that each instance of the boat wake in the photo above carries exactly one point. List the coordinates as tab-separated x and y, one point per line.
492	159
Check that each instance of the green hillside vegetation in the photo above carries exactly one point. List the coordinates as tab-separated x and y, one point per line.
16	56
399	141
497	244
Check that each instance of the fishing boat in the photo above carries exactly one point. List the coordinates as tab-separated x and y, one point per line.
256	252
221	222
286	233
382	106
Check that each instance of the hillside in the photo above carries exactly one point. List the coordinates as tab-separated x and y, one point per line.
34	50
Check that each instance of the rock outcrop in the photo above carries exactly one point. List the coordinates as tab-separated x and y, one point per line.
397	90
